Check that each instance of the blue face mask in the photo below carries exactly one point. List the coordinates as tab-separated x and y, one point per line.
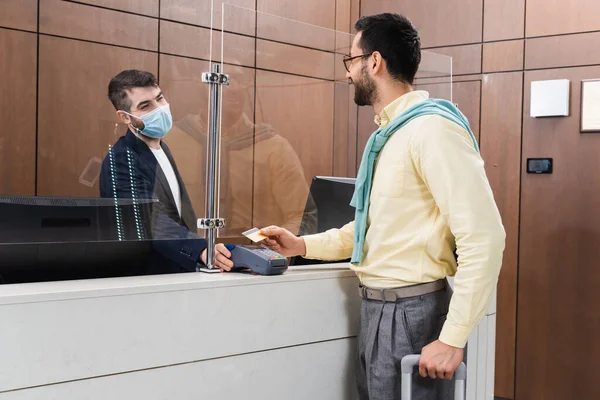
156	123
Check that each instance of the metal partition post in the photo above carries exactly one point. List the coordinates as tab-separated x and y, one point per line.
211	223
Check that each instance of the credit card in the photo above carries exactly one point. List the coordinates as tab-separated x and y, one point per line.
254	235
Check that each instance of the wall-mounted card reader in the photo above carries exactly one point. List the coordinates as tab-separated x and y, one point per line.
258	259
539	165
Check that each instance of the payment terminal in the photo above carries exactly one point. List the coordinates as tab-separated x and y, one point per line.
258	259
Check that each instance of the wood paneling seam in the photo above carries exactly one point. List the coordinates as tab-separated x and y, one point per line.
112	9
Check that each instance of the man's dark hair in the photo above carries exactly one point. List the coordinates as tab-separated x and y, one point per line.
396	38
126	80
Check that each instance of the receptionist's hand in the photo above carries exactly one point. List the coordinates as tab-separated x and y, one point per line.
222	257
283	241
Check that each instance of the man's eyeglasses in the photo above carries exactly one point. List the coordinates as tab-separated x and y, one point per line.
348	60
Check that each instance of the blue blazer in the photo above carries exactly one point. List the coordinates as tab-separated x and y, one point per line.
130	170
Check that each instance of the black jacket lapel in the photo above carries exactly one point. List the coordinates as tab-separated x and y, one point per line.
146	157
187	211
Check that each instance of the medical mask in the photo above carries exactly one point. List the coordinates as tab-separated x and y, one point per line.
156	123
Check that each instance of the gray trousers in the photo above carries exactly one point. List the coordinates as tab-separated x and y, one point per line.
388	332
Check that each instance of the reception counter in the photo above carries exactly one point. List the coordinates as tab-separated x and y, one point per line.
182	336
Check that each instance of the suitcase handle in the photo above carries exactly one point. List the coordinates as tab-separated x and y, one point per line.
408	364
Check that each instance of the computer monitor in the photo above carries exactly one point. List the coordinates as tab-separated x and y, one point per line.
327	207
60	238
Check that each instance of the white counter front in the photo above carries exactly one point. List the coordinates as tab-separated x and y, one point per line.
182	336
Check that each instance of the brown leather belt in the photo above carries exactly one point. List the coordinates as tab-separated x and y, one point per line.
391	295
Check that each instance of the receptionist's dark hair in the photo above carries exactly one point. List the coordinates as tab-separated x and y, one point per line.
126	80
396	38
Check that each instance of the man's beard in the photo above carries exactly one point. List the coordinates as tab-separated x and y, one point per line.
137	124
365	92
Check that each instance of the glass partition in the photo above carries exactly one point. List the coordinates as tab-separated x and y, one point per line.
83	194
287	103
84	191
288	115
435	75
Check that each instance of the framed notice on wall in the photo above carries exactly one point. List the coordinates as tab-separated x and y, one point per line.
590	106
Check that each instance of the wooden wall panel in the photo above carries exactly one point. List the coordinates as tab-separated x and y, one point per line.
440	23
237	49
467	95
433	66
296	60
558	306
19	14
501	107
467	78
567	51
554	17
76	119
198	12
503	56
146	7
285	30
301	148
354	13
17	112
193	41
180	80
503	19
185	40
92	23
455	79
343	10
466	60
315	12
441	90
344	131
307	123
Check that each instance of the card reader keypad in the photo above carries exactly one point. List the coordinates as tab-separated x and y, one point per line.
270	254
